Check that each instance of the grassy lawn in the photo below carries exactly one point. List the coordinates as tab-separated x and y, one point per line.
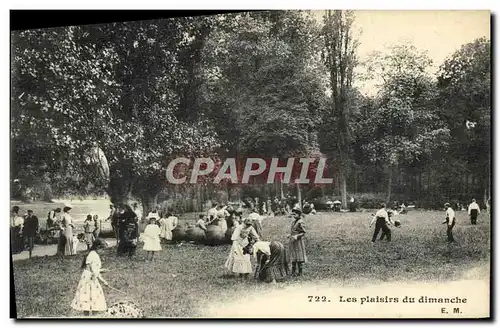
339	249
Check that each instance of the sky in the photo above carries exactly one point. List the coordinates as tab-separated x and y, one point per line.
440	33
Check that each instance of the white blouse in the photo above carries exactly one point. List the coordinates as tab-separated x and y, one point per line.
262	246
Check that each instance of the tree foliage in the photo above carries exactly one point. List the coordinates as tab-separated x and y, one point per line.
266	84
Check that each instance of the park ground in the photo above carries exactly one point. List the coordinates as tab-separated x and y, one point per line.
187	280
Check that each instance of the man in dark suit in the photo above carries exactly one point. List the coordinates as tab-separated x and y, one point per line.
30	230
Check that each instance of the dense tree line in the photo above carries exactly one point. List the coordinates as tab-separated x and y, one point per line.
273	84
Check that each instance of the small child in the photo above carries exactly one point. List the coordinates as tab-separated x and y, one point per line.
97	225
201	223
89	296
151	238
88	227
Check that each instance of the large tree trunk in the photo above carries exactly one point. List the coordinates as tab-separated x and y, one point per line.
119	190
389	186
120	182
299	195
343	190
356	181
149	203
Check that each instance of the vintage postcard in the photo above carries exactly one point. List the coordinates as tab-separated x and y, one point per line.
262	164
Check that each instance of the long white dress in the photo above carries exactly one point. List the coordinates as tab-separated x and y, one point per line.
221	216
237	262
163	228
89	294
167	225
151	238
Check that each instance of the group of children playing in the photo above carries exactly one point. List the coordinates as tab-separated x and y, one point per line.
383	221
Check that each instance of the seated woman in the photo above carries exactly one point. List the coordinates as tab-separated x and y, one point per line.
201	223
272	262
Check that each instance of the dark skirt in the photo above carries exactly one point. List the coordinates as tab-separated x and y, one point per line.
297	250
17	240
277	268
126	247
61	245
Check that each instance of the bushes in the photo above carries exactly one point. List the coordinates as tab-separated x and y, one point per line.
369	200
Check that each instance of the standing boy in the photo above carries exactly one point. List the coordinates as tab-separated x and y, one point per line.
450	222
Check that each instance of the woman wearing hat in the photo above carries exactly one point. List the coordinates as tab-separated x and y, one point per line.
238	261
89	295
296	247
67	227
256	222
128	232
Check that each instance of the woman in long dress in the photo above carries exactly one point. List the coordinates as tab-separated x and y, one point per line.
222	214
167	225
67	227
238	261
89	295
151	238
272	263
296	247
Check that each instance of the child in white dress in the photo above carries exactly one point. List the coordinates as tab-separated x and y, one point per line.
89	295
151	238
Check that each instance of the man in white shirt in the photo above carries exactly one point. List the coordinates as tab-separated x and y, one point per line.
450	222
382	222
473	212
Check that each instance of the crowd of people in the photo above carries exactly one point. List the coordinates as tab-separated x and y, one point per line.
274	260
272	257
26	230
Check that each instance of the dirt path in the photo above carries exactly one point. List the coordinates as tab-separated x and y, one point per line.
51	250
328	299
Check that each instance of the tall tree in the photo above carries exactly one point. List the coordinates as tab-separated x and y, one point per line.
118	83
464	85
340	59
404	127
